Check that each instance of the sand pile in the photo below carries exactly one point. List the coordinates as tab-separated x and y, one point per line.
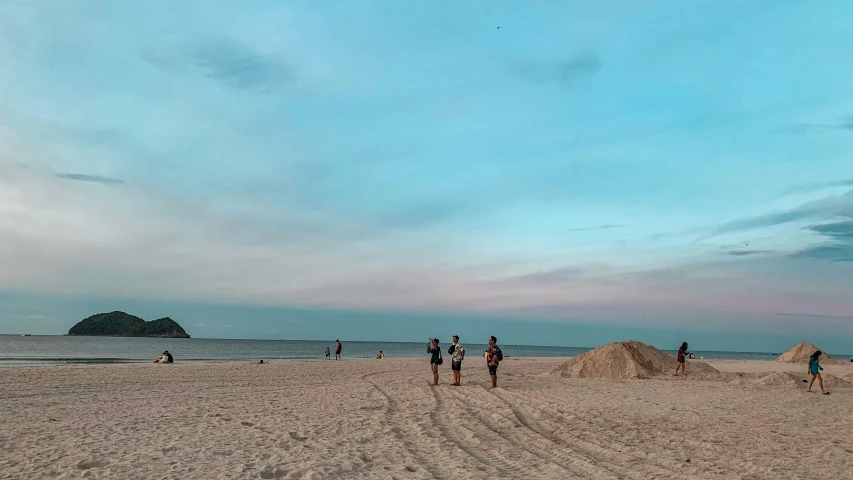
801	352
625	360
793	379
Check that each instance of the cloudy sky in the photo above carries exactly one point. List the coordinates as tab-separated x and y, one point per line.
561	172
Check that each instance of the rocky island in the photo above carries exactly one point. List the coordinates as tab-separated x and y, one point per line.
120	324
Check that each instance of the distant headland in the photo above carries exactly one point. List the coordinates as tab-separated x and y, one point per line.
120	324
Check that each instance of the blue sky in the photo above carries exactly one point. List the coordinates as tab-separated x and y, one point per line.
561	169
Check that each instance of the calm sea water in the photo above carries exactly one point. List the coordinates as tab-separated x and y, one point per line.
16	350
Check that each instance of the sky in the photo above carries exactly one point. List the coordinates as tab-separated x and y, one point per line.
564	173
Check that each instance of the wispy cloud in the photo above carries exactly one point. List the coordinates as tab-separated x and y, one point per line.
744	253
843	125
826	208
90	178
563	72
592	229
813	315
810	187
838	248
231	64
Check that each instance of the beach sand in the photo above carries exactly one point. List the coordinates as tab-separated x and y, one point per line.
381	419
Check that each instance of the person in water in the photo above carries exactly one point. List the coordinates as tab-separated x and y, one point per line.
328	353
380	355
338	348
457	354
682	353
435	359
494	356
166	357
814	370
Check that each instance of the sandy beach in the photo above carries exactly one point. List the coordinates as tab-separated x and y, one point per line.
381	419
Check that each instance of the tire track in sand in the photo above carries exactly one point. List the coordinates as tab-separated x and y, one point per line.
621	464
487	457
578	467
400	431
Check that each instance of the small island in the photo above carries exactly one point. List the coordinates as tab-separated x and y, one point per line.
120	324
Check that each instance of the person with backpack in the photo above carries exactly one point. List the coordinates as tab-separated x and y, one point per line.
494	356
435	360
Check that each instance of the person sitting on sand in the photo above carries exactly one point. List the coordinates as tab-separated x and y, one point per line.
814	370
380	355
682	352
166	357
328	353
494	355
435	360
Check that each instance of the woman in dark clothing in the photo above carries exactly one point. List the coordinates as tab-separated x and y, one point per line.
682	353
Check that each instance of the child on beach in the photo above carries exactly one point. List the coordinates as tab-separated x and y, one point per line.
328	353
682	353
814	370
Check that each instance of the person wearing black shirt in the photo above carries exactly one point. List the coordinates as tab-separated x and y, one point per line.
435	360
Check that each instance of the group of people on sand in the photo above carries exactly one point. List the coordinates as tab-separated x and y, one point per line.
493	356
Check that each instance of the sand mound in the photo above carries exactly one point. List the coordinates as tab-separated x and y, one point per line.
801	352
793	379
625	360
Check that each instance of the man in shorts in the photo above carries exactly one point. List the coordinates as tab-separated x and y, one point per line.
457	354
338	348
435	360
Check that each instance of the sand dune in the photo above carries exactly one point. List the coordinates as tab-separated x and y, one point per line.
381	420
801	352
629	359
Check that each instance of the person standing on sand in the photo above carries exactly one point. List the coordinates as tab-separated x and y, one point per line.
328	353
435	360
814	370
494	355
682	353
338	348
457	354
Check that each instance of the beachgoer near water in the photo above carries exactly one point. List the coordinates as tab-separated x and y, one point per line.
338	348
814	370
494	355
328	353
457	354
380	355
166	357
682	352
435	360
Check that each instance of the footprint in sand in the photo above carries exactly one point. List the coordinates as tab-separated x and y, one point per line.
87	464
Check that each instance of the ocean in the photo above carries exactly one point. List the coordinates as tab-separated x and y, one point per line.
16	350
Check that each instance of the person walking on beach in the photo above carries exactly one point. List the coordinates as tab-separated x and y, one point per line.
814	370
328	353
457	354
435	360
682	353
494	356
338	348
